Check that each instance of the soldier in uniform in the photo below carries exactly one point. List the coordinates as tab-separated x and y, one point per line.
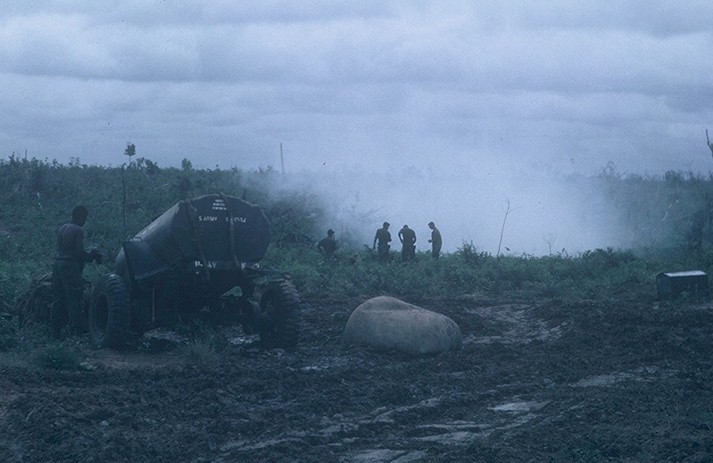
435	240
408	243
328	245
67	283
383	237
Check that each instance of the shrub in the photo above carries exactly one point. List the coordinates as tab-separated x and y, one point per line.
204	350
57	356
470	254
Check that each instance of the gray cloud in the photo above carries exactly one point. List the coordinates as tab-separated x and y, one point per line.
564	85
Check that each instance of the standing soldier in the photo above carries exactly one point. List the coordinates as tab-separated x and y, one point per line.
328	245
67	283
384	238
408	243
435	240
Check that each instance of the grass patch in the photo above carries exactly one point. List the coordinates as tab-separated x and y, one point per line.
597	274
205	347
57	356
199	353
31	348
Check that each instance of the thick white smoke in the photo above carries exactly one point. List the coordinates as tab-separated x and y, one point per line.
545	213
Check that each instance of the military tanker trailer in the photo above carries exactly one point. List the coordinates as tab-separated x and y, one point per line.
200	258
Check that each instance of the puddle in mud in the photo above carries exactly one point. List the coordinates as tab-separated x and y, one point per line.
518	407
639	374
385	455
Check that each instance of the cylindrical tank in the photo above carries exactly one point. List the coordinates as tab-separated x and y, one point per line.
215	232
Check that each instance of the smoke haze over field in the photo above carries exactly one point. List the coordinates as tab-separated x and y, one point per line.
547	213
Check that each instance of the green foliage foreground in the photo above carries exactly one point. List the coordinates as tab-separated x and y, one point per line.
600	274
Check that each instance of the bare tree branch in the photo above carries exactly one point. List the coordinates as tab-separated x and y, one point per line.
502	230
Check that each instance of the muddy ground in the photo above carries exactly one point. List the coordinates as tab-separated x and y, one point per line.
543	381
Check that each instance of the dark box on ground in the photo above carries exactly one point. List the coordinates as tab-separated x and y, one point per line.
673	284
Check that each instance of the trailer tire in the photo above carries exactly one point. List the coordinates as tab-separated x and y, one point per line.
279	320
109	313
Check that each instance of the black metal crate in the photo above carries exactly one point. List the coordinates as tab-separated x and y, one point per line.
693	283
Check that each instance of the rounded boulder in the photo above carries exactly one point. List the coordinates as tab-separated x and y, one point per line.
388	323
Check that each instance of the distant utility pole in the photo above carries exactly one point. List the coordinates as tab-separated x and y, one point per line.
282	158
708	141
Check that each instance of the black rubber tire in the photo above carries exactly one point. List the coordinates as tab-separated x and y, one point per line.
109	313
279	321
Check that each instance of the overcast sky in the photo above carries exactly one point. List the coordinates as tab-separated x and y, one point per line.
556	85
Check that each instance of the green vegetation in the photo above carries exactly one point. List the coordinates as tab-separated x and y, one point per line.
669	218
58	356
32	348
472	275
38	196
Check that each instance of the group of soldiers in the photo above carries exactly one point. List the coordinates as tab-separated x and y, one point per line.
382	240
407	236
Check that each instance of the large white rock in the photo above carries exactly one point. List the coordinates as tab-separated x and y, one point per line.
389	323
